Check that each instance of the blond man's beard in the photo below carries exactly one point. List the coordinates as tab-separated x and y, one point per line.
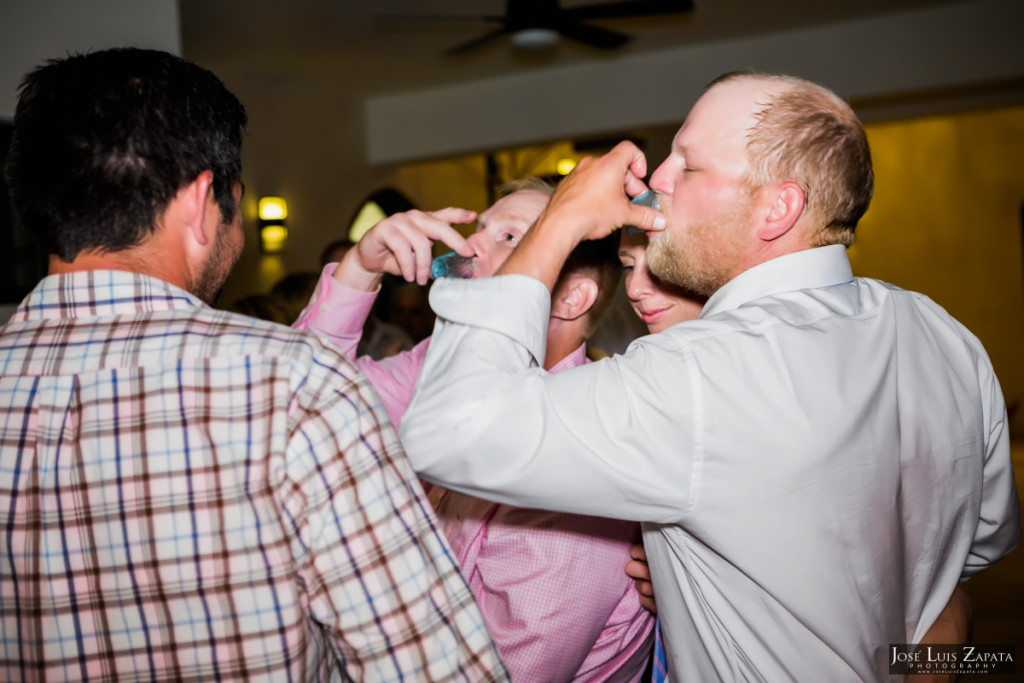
696	262
705	256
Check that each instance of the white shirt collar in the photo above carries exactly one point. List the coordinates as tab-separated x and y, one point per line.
818	267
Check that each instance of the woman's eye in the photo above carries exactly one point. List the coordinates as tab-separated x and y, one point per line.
627	269
509	237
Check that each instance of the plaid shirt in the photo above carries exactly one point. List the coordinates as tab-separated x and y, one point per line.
188	493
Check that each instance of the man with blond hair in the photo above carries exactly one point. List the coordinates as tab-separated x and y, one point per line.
818	459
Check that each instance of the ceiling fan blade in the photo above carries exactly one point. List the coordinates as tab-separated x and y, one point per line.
623	10
392	22
591	35
476	42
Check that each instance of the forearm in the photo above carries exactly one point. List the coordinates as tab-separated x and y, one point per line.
487	422
352	274
953	627
955	624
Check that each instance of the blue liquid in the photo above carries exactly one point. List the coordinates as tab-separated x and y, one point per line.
452	265
650	199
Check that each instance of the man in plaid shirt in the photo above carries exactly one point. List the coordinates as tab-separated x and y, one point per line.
187	493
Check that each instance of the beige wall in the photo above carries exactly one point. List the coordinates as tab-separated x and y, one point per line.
304	145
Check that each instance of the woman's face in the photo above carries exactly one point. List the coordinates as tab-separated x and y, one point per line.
659	304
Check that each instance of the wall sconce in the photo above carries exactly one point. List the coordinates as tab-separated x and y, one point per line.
565	166
273	228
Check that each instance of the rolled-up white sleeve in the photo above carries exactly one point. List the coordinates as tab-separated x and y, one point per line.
999	523
488	421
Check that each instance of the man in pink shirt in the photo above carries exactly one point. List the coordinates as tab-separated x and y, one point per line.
551	585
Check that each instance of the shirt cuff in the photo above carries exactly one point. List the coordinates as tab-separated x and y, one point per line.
516	306
335	308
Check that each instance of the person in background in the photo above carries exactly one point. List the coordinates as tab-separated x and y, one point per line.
284	302
817	460
292	292
551	586
335	250
264	307
183	491
409	309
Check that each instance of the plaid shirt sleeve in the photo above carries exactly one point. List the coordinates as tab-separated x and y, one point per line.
380	579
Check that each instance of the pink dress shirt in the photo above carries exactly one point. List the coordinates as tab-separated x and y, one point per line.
552	586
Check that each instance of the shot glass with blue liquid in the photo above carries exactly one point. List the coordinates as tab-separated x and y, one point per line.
452	265
648	199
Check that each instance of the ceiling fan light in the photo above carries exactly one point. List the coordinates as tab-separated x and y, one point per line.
535	38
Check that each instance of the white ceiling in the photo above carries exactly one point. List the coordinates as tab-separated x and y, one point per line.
340	43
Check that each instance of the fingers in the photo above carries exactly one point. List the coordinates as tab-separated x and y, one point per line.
593	200
403	244
637	552
644	588
638	571
453	216
406	249
645	596
636	161
645	218
442	230
437	227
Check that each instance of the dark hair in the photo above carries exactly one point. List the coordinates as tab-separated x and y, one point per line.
103	141
293	292
598	260
264	307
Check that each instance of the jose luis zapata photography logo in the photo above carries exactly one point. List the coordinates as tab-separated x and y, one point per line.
952	659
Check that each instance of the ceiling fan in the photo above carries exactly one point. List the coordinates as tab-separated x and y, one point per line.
538	24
